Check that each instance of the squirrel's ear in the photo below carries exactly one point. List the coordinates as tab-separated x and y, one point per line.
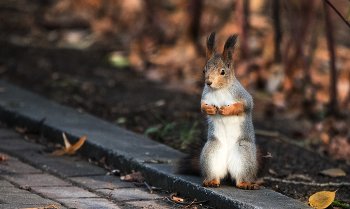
228	50
211	45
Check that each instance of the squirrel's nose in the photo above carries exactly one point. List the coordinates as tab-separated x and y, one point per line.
209	83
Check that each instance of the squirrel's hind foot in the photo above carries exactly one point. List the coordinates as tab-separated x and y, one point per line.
212	183
247	186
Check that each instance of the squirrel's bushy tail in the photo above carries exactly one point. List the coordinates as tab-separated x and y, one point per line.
190	163
263	160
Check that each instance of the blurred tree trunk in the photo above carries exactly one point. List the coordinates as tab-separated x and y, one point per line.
195	12
333	104
277	27
245	28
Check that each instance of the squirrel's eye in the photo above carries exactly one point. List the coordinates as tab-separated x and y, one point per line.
222	72
203	71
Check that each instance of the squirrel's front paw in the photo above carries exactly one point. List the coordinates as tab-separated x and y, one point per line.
209	109
224	110
234	109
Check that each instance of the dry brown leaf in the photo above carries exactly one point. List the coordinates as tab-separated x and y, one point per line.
178	199
66	142
21	130
137	176
333	172
322	199
71	148
76	146
299	176
3	157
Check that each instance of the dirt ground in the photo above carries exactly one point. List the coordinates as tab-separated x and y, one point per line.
85	80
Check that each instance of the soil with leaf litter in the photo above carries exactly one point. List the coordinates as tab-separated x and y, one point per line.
168	113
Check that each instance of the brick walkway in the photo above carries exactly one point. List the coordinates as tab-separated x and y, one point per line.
65	182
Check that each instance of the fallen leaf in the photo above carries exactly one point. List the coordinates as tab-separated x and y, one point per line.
333	172
137	176
109	185
66	142
3	157
298	176
70	149
178	199
21	130
322	199
272	172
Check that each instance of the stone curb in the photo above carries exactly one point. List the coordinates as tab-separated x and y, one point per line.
125	150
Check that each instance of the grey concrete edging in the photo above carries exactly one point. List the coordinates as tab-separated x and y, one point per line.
125	150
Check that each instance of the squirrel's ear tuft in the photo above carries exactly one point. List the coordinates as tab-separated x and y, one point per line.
211	45
229	48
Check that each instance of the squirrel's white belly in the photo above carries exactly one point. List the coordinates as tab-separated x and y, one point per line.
227	129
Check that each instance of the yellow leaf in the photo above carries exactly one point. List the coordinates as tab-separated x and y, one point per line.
70	149
322	199
333	172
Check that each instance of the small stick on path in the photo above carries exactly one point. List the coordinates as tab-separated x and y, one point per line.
149	188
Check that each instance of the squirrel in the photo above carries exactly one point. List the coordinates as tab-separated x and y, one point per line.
230	147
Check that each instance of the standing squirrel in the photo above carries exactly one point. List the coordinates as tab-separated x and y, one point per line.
230	147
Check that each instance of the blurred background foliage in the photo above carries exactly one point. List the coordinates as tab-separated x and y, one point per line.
293	56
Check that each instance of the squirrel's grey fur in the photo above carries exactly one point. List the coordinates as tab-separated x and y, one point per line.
230	146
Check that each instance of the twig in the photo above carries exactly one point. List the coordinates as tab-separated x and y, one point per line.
308	183
149	188
187	206
336	11
186	203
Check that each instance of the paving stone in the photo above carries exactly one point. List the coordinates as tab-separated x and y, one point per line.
88	203
24	206
35	180
13	165
66	166
154	204
7	134
63	192
70	166
100	182
25	198
129	194
12	190
18	144
4	183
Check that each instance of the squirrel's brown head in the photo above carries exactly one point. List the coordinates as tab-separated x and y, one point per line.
218	70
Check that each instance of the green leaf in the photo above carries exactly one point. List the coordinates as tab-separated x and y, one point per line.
151	130
338	204
118	60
